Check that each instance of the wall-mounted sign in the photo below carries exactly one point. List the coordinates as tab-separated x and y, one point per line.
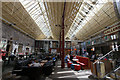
113	29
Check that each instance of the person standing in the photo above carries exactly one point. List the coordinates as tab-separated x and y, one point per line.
9	49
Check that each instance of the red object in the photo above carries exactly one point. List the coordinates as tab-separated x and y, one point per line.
80	63
84	60
3	54
3	51
68	50
62	60
92	50
60	44
26	53
69	65
105	59
20	53
0	57
77	67
75	49
73	55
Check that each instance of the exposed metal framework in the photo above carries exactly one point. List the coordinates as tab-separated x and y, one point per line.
87	11
37	11
41	19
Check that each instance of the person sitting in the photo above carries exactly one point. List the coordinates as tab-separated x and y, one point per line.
66	57
48	58
53	58
31	63
36	64
71	57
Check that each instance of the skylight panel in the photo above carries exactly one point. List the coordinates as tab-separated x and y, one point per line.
32	7
86	13
36	9
42	6
25	2
36	13
29	5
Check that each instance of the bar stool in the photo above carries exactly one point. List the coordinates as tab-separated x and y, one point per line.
77	67
69	64
73	66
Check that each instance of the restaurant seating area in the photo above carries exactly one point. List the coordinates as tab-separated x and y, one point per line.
22	68
79	63
59	39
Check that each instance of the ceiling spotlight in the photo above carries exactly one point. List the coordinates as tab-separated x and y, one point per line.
10	24
89	8
58	25
86	12
14	24
93	2
107	27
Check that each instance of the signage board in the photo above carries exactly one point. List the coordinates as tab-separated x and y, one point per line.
113	29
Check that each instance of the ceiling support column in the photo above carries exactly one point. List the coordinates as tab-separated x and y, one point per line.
62	60
60	44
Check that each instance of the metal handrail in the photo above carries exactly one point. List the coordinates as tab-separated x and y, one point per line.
102	58
117	69
105	55
112	72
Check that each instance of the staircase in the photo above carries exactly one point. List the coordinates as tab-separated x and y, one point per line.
114	74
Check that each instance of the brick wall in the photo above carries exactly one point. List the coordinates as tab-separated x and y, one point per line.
9	32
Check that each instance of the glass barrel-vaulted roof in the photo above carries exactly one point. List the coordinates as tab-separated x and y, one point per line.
88	9
37	11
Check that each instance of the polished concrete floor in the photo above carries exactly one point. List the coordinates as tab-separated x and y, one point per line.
67	73
0	69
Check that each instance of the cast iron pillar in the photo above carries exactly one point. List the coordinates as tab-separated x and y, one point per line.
62	60
60	45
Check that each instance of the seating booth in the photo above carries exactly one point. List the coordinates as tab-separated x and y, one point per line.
84	60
